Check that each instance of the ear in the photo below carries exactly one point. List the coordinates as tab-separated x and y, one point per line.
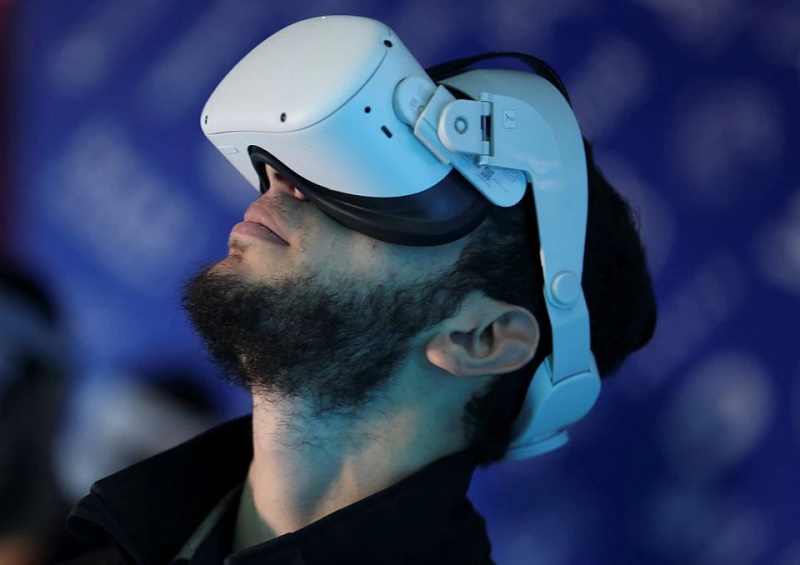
486	337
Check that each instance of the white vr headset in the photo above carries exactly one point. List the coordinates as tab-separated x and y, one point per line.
342	109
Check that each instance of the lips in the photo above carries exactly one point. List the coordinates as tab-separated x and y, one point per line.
263	216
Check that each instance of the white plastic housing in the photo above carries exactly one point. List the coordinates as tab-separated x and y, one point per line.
533	129
545	142
318	95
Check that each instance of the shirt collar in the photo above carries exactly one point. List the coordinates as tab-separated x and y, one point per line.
151	509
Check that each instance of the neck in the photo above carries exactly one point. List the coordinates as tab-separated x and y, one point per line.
307	466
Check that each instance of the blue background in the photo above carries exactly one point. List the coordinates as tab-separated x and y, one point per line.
691	455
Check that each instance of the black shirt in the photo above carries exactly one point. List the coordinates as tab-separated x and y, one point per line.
147	513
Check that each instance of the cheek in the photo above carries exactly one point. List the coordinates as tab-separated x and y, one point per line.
343	252
382	262
326	247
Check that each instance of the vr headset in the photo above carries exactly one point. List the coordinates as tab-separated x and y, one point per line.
339	107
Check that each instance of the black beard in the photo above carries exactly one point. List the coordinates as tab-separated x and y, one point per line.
335	345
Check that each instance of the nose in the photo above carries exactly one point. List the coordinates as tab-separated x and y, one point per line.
278	182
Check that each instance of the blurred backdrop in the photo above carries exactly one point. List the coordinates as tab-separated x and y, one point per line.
111	196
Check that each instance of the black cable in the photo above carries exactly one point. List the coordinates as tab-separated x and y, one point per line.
451	68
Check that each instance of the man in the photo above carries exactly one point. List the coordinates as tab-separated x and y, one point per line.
382	300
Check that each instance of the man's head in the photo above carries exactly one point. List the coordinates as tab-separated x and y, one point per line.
317	282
